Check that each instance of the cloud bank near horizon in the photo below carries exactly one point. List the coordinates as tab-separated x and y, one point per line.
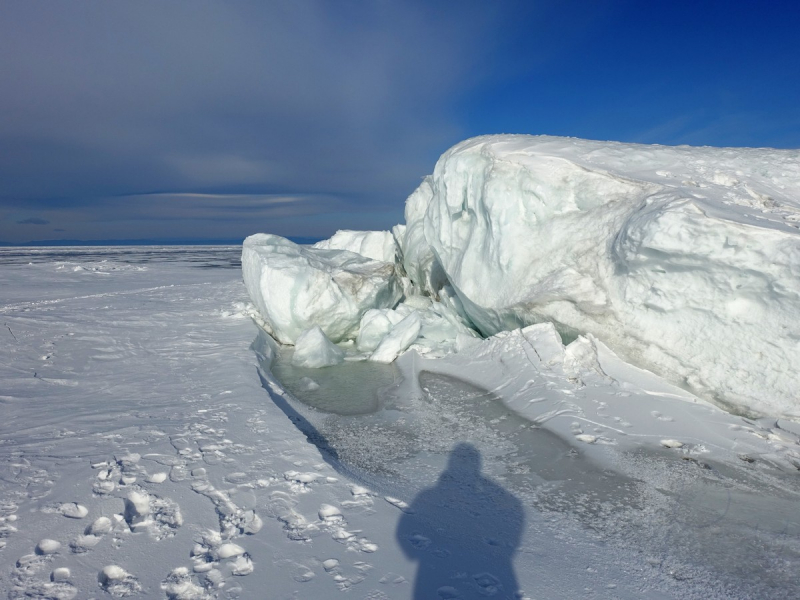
118	109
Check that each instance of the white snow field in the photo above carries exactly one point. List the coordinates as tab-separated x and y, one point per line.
157	443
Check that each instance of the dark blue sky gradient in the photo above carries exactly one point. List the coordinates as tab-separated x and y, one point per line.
209	120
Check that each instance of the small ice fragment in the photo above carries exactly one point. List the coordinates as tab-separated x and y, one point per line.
586	438
47	546
73	510
104	487
112	573
342	535
203	567
84	543
252	523
156	478
358	490
307	384
672	444
399	339
399	504
241	566
60	574
128	460
314	350
300	477
179	586
137	507
374	326
328	512
229	550
330	564
101	526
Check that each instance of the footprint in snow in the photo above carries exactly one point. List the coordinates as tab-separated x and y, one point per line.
95	532
216	559
331	518
178	585
24	576
160	517
342	581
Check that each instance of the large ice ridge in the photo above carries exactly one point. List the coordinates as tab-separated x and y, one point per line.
685	261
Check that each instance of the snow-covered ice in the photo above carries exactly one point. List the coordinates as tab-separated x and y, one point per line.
685	261
295	287
314	350
398	339
158	443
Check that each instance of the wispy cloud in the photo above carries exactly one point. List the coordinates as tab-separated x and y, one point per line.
303	99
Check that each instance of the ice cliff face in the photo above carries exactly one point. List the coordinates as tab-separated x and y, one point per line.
682	260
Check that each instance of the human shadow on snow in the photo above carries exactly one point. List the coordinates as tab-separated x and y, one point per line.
464	532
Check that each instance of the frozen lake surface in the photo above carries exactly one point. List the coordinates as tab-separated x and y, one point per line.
155	443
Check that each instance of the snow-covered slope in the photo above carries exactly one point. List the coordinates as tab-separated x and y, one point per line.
684	261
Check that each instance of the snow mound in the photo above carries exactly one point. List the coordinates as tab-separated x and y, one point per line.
683	260
295	287
314	350
377	245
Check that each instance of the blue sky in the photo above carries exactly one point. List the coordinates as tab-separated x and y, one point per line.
210	120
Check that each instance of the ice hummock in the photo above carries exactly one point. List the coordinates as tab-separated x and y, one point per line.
377	245
314	350
684	261
296	287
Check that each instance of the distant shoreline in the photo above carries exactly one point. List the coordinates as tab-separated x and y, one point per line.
95	243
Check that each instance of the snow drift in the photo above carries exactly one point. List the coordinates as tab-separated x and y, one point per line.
685	261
